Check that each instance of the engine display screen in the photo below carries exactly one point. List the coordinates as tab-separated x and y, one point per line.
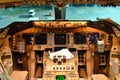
60	39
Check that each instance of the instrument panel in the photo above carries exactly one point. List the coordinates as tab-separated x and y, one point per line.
39	40
62	34
75	38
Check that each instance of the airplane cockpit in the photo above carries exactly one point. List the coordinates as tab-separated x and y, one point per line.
59	49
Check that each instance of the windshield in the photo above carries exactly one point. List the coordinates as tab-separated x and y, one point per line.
47	12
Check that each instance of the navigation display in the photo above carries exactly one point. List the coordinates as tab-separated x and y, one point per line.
79	38
41	38
93	37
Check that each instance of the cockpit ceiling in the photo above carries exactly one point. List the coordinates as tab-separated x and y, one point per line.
6	1
60	2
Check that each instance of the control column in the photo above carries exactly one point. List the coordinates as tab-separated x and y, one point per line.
31	65
89	63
